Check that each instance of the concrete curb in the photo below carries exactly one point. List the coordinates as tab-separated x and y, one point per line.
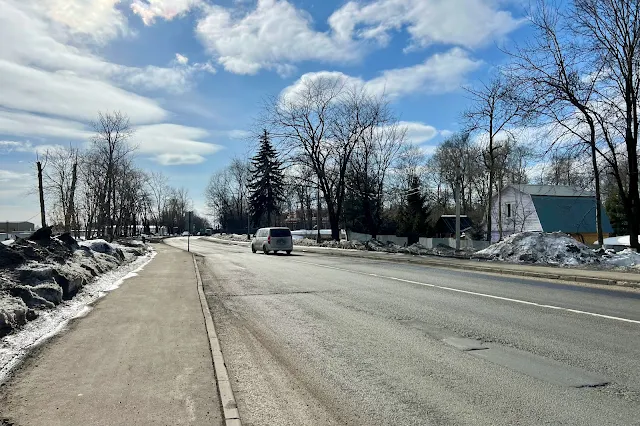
393	257
228	400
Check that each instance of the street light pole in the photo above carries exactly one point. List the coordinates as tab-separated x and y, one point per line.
189	233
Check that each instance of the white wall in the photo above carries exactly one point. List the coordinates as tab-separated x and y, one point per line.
451	242
523	214
356	236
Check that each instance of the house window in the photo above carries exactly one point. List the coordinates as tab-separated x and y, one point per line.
508	209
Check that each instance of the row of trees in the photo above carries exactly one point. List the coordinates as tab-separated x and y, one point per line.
563	111
102	191
576	80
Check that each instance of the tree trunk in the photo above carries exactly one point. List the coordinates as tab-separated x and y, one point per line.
500	233
596	176
43	219
70	214
490	207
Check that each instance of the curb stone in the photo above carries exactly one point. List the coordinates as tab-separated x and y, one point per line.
440	264
227	398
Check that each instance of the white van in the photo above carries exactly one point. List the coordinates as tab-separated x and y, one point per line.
272	240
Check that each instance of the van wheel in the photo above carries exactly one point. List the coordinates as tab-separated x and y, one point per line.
264	250
289	252
253	249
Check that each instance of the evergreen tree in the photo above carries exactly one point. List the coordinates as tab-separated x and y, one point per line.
615	211
267	183
414	216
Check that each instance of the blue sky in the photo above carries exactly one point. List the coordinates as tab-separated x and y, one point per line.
191	74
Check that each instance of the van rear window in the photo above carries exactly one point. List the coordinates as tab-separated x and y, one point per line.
280	233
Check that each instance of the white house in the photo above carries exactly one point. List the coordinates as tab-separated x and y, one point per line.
548	208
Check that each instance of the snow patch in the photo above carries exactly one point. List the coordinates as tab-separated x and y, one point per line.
558	249
14	347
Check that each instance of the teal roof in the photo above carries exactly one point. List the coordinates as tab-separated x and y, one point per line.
572	215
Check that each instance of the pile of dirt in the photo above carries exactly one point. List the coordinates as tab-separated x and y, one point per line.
42	271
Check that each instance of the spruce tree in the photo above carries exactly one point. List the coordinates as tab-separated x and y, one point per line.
267	183
414	217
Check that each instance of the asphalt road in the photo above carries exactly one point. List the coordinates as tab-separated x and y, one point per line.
323	340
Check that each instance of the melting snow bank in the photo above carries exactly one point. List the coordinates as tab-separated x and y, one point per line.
38	275
556	248
14	347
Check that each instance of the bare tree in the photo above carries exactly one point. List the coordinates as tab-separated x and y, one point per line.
549	69
159	191
322	123
492	112
367	172
610	30
110	143
60	181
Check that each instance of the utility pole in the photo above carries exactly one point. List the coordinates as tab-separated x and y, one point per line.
189	232
318	220
457	215
41	192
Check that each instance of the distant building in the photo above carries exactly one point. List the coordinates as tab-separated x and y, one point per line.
547	208
9	227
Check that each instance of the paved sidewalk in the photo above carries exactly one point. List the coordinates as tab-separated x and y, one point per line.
590	276
141	357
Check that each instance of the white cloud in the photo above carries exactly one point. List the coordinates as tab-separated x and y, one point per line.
17	195
149	10
446	133
181	59
175	80
172	144
26	146
25	124
418	133
10	176
440	73
275	35
65	94
239	134
98	20
469	23
30	40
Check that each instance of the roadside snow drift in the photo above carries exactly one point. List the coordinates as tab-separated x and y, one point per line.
555	248
38	275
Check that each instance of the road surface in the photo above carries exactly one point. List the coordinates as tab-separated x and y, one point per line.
325	340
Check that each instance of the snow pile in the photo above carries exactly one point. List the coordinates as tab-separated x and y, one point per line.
307	242
625	258
554	248
8	242
38	275
98	245
343	244
231	237
15	346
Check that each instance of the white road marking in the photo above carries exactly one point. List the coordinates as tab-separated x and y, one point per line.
474	293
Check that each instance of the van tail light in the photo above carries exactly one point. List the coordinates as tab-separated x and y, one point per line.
269	240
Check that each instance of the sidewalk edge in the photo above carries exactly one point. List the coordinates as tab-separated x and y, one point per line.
227	398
